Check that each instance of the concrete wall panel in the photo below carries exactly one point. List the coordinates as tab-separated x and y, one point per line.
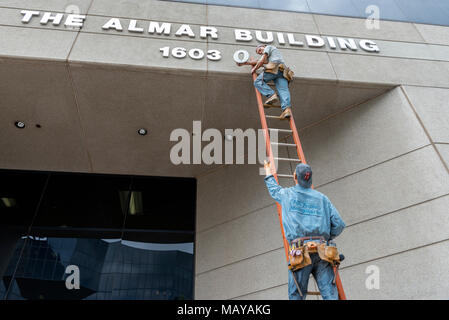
35	44
444	151
432	106
390	70
247	236
434	34
45	98
152	10
417	274
389	186
349	141
400	231
276	293
244	277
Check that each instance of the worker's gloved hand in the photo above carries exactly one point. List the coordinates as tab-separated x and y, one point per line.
267	167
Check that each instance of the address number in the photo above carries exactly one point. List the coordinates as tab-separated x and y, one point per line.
195	54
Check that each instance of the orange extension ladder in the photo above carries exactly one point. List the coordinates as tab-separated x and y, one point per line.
301	158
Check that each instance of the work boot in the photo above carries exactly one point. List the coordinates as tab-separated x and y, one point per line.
286	114
274	98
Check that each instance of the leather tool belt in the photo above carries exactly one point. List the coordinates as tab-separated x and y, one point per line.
273	67
300	249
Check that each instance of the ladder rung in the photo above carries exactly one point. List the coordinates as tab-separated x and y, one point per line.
271	106
288	159
314	293
284	144
272	117
281	130
284	175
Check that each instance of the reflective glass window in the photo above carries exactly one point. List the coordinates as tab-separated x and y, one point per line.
47	277
129	237
332	7
289	5
237	3
420	11
388	9
430	11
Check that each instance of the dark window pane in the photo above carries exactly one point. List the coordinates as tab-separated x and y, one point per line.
88	201
162	204
19	196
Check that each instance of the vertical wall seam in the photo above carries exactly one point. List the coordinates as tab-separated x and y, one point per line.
83	131
75	96
424	128
419	33
327	52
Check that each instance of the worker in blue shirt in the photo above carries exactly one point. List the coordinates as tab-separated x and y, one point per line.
307	213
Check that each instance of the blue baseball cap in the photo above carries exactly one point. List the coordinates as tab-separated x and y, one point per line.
304	175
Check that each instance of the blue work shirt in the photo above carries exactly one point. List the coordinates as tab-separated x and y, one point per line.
274	55
305	212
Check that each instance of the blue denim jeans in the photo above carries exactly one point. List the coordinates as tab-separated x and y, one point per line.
323	273
281	86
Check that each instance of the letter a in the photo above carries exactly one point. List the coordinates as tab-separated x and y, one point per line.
73	280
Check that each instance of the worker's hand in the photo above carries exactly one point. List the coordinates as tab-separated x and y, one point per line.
252	61
267	167
240	64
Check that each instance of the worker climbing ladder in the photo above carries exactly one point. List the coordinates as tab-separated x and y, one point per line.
300	158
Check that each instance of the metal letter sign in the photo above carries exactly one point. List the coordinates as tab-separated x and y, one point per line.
241	56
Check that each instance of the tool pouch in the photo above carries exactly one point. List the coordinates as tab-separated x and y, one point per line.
271	67
287	73
299	257
328	253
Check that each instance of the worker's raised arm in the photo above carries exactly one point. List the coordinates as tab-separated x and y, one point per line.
275	190
337	223
261	62
251	62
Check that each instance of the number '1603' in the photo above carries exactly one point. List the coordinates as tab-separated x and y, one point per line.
195	53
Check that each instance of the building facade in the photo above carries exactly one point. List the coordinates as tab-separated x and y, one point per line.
79	79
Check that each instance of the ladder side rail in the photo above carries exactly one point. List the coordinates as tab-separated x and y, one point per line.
297	141
341	292
263	121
